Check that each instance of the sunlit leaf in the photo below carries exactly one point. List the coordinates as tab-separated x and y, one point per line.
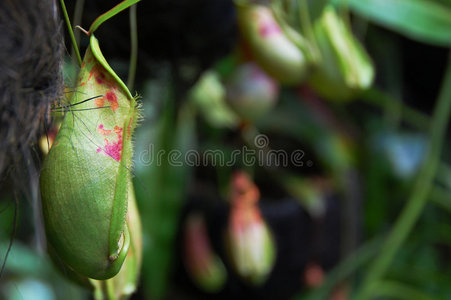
423	20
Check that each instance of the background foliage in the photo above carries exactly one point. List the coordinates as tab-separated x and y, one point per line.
366	162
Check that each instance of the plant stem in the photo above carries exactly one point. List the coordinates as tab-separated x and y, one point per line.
420	192
306	23
345	269
111	13
308	31
71	32
109	286
410	115
396	290
78	12
444	175
134	48
441	197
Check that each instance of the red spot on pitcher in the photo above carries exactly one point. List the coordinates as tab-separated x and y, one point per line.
112	99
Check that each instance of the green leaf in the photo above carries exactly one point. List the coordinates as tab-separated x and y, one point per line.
25	265
344	270
332	148
422	20
398	290
309	194
165	183
111	13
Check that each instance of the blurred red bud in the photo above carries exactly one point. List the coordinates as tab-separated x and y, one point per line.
203	265
251	246
243	191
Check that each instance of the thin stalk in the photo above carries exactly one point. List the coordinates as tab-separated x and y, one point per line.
411	116
78	13
305	21
134	48
441	196
71	32
307	29
345	269
98	293
290	33
396	290
444	175
109	286
111	13
420	192
393	113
